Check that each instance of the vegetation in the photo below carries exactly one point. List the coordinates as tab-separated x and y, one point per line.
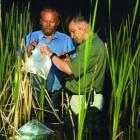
17	101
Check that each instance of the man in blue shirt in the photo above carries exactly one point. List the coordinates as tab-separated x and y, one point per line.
58	43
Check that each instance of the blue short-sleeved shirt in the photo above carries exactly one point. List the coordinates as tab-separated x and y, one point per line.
61	43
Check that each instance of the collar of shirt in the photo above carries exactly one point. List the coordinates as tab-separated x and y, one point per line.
42	35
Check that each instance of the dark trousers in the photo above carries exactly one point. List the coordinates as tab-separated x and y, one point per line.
92	129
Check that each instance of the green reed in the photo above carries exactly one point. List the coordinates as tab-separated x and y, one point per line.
124	66
18	102
82	108
13	87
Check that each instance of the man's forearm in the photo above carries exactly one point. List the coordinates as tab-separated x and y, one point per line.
62	65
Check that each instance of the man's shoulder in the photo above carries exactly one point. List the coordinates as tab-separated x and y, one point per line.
34	33
97	41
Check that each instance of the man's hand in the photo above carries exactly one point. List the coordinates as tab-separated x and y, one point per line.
31	47
59	63
67	59
45	51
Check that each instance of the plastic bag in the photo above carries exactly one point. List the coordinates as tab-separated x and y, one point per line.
38	63
34	130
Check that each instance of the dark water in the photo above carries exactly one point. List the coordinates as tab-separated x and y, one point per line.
59	133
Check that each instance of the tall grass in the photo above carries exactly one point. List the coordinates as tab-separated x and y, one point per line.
124	67
18	104
123	63
15	90
82	114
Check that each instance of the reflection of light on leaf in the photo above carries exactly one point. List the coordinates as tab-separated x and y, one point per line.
16	77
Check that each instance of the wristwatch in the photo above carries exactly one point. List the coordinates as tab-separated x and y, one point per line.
53	54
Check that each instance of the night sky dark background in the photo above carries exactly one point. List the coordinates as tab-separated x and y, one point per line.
119	10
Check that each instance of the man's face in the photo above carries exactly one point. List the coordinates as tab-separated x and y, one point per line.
77	32
49	22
